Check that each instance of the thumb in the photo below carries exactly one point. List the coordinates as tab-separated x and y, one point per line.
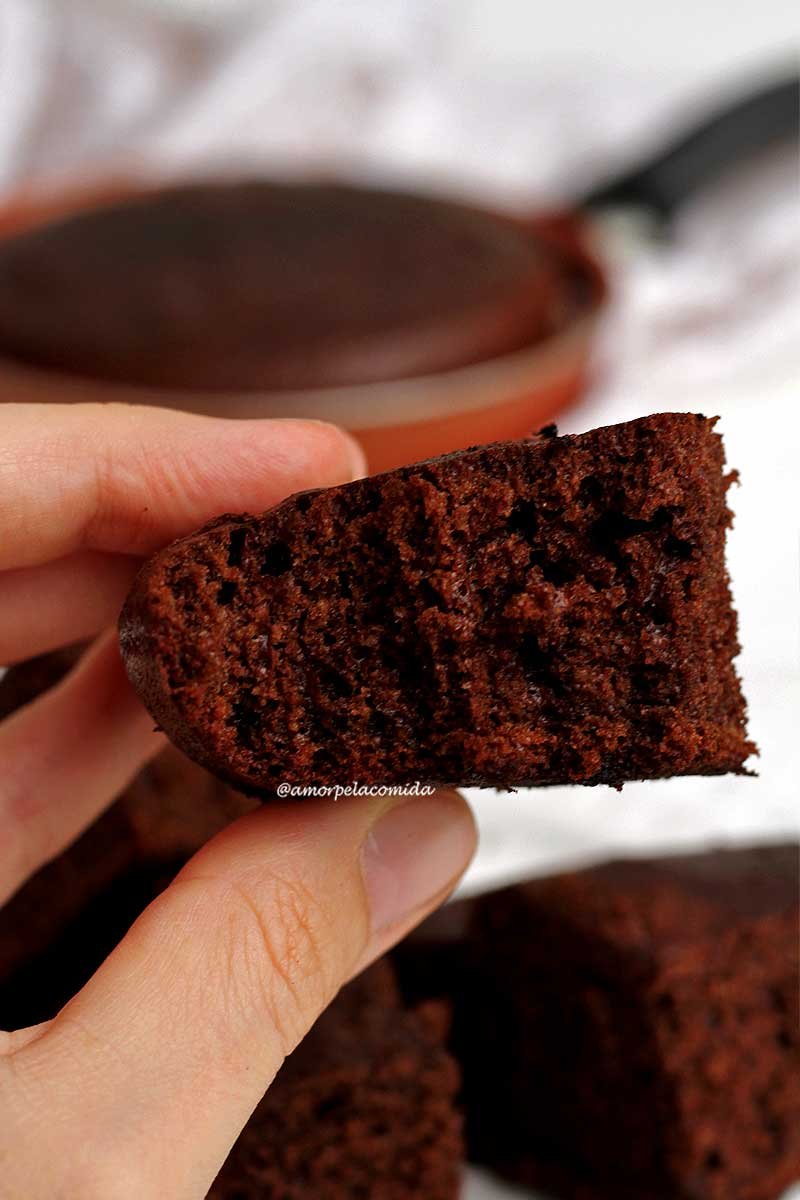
167	1050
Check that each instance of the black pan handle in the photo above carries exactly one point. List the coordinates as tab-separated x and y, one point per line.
725	139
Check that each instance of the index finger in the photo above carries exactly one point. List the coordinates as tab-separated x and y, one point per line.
127	478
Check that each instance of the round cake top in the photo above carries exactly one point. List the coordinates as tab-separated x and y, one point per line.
264	286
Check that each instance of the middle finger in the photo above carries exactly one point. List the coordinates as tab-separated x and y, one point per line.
68	600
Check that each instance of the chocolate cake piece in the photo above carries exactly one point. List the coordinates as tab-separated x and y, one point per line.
631	1030
256	285
537	612
436	960
364	1107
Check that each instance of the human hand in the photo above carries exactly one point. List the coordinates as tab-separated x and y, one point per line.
141	1084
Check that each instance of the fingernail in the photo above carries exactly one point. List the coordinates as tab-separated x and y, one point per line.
413	852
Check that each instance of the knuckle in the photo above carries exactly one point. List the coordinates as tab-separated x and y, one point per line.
275	954
118	485
280	948
136	477
139	472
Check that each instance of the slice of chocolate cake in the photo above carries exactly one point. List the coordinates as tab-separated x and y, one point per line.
364	1107
546	611
630	1030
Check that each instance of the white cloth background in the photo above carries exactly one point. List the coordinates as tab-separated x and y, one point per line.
709	321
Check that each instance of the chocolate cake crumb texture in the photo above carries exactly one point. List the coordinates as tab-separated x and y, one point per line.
538	612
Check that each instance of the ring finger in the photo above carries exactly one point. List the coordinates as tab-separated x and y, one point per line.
64	756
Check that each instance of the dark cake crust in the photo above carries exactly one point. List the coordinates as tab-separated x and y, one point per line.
535	612
254	285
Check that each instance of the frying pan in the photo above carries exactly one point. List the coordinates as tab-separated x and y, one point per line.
404	420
